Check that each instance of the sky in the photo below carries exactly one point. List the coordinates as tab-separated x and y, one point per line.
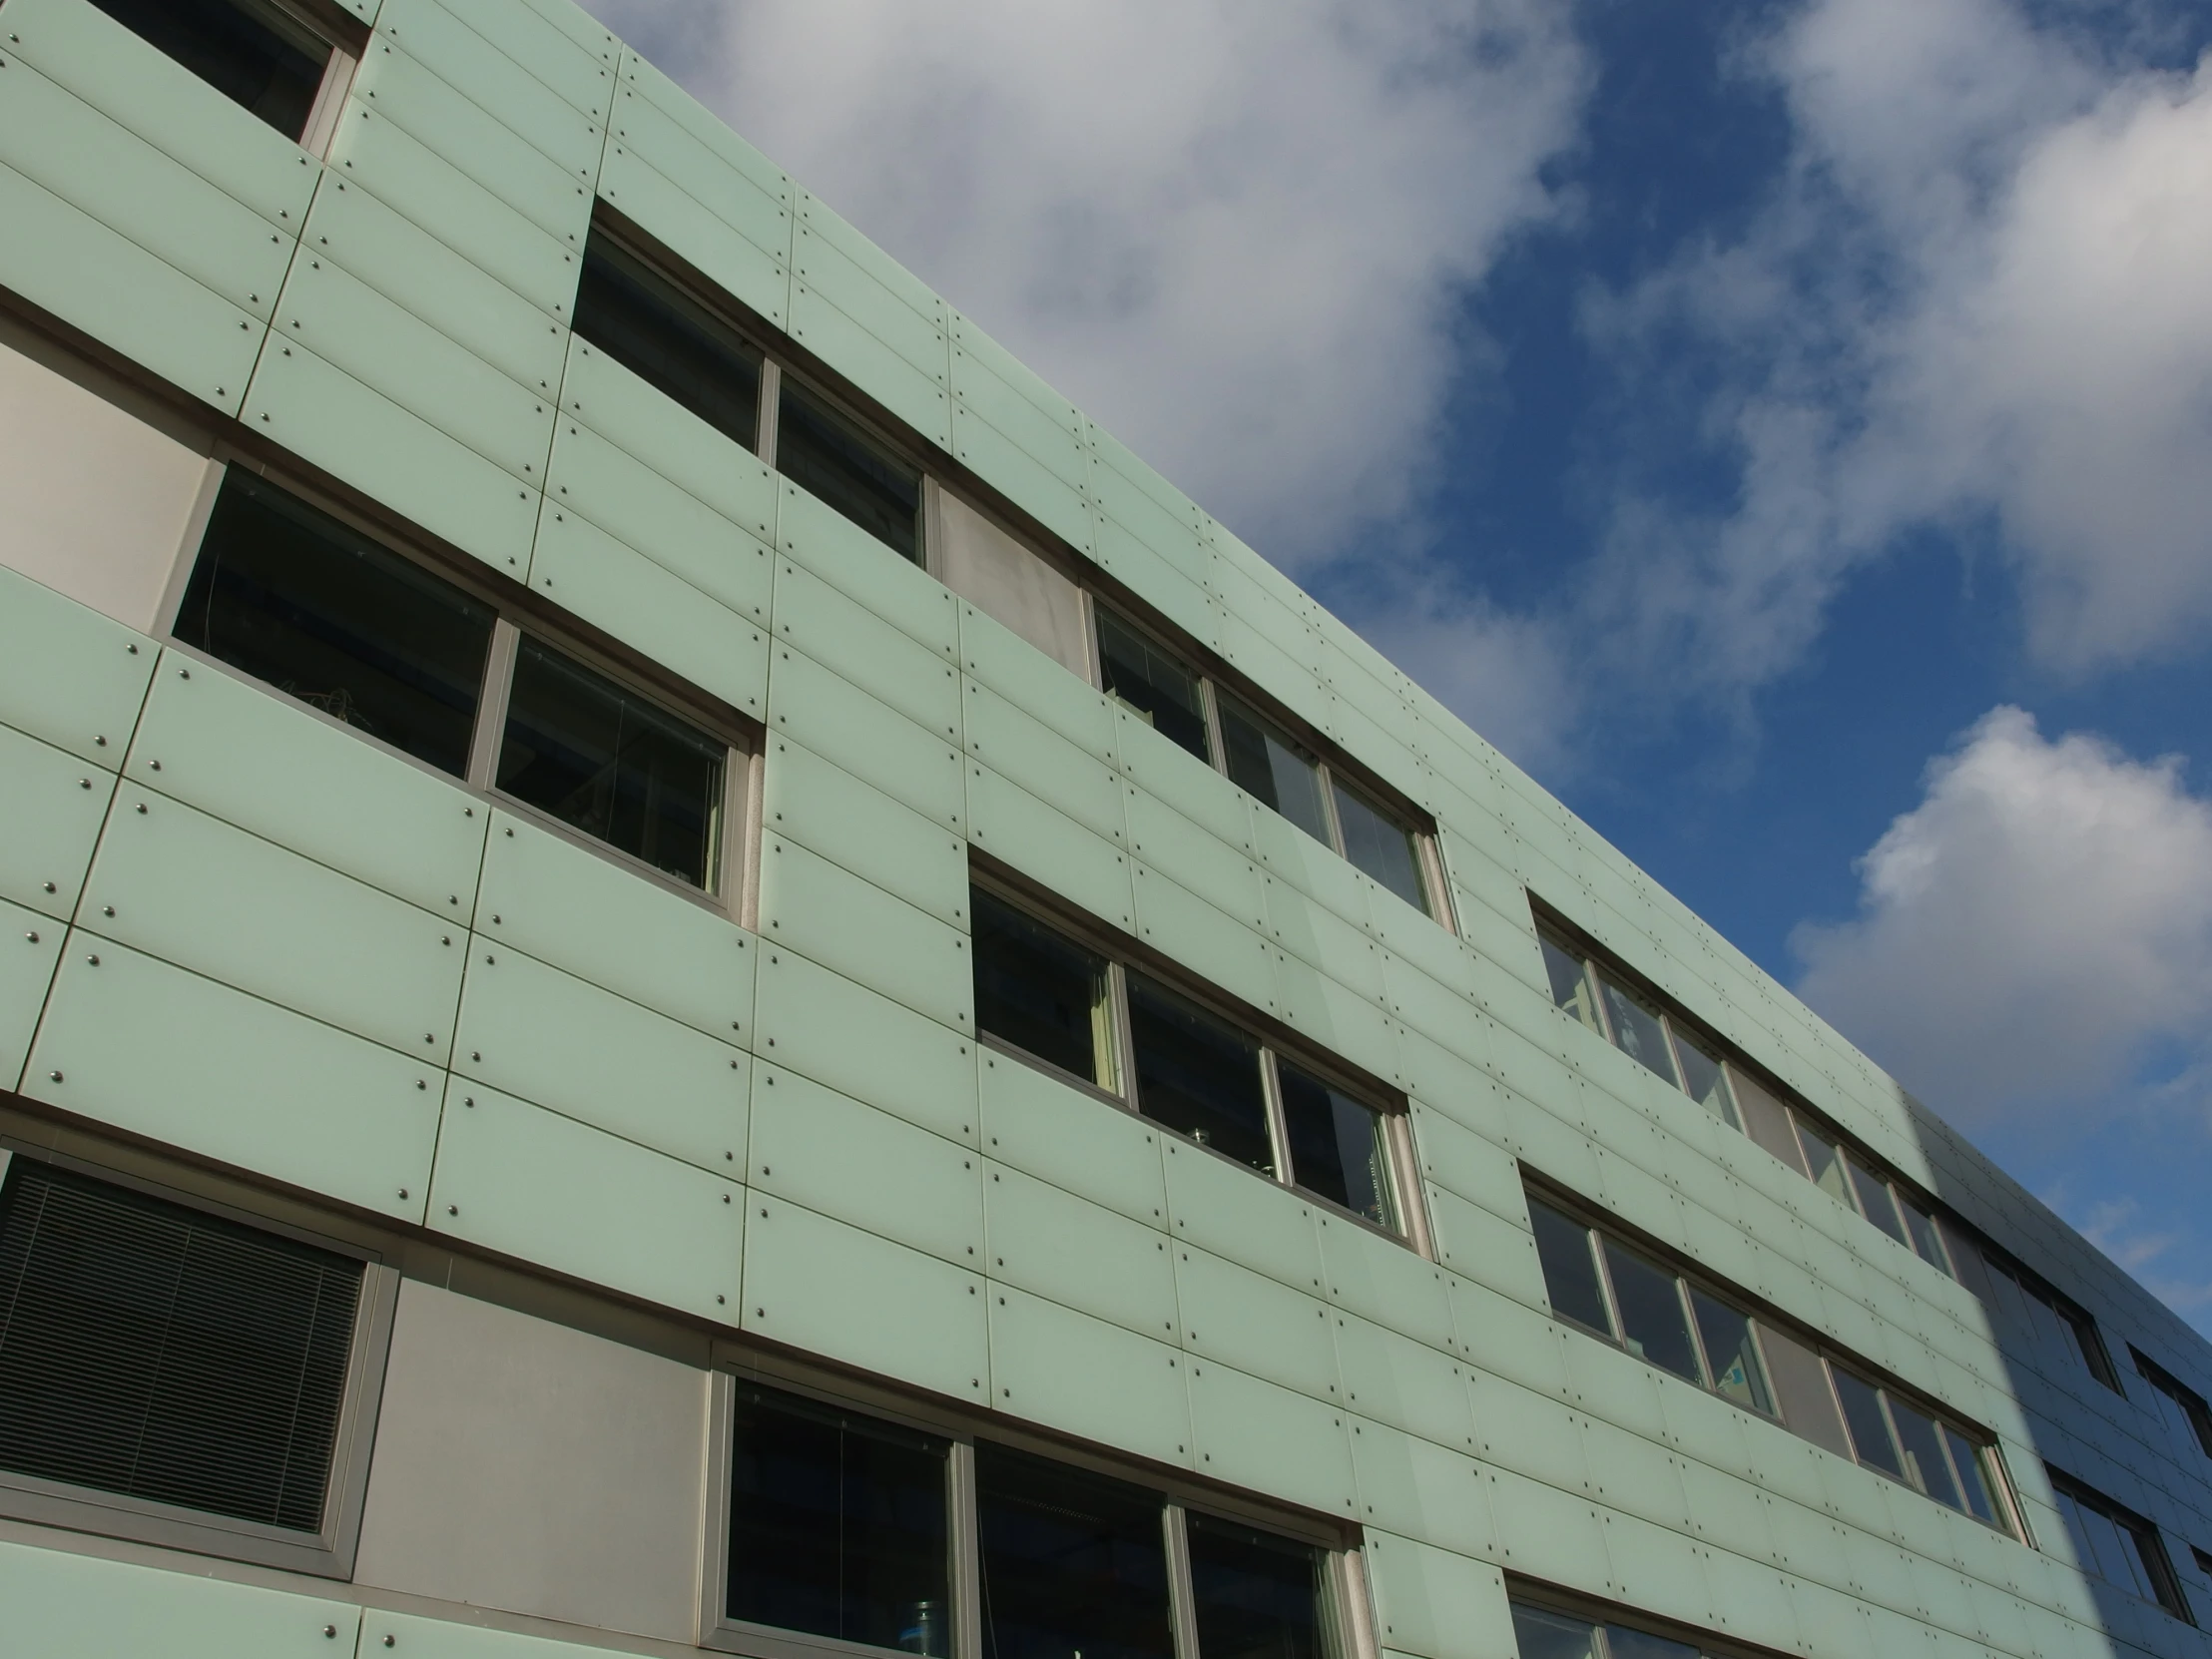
1784	428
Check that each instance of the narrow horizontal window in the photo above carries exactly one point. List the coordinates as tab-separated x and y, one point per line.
832	460
1379	845
254	55
1654	1324
2118	1546
1070	1563
1875	1202
1273	770
1824	1163
1731	1353
2181	1407
1565	1250
669	340
1255	1596
1198	1075
1704	1078
1338	1146
1867	1422
1637	1029
1920	1443
1152	685
1539	1633
1570	982
1042	992
1928	1240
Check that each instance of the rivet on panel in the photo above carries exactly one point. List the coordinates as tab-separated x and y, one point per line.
93	959
141	808
402	1194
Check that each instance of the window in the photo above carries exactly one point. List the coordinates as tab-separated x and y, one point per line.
1071	1564
1910	1445
1273	770
1153	685
1646	1031
161	1364
264	57
290	595
2181	1407
670	341
2118	1545
1540	1633
1255	1596
1056	1002
2062	1333
831	458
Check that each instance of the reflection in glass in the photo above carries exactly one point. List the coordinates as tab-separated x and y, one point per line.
1704	1078
1271	769
1974	1480
1338	1146
1731	1353
834	462
1928	1243
1570	1269
1198	1076
1552	1635
837	1527
1636	1030
650	327
1623	1643
1071	1564
1254	1596
1570	983
1869	1430
1653	1325
1040	992
1923	1445
1152	683
1377	845
603	760
1875	1202
234	49
1823	1162
294	598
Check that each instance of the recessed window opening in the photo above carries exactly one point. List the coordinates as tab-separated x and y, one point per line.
1540	1633
1256	1595
2061	1332
1653	1035
1199	1075
831	458
1071	1562
2119	1547
1273	770
2181	1408
260	57
1153	685
647	323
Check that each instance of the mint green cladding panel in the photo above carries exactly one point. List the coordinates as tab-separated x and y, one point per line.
193	890
881	372
755	277
828	811
1042	687
421	1638
543	1188
1013	826
552	1039
592	917
560	44
1029	483
1227	1208
851	641
30	947
1053	1365
1216	947
1378	1278
867	737
1414	1486
856	929
874	289
1486	1247
565	123
1079	1255
1166	769
825	542
743	192
1398	1382
235	1078
1167	842
1433	1603
64	1605
1257	1324
50	808
1077	1143
1270	1439
1180	598
1070	780
69	675
250	758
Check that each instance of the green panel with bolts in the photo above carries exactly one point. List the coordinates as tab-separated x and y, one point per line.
859	828
1227	1208
531	1184
566	127
236	1079
68	675
882	372
1325	942
1395	1380
642	80
999	659
1437	1605
1046	763
851	560
1270	1439
1167	842
1055	500
560	44
1079	1254
1217	947
1053	1365
856	929
1165	768
1425	1490
1257	1324
1179	597
30	947
851	641
1335	1016
1013	826
829	714
1378	1278
752	205
1073	1140
755	277
986	396
551	1038
426	1638
1171	534
852	266
50	808
982	355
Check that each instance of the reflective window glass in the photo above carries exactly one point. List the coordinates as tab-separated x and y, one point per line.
1928	1241
1570	1268
837	1527
1704	1078
1924	1464
1570	982
1654	1325
653	329
1553	1635
1339	1147
1271	769
1731	1352
234	49
1041	992
1379	846
606	762
1972	1477
294	598
832	460
1153	685
1870	1429
2111	1554
1198	1075
1254	1596
1070	1563
1637	1029
1823	1161
1875	1202
1624	1643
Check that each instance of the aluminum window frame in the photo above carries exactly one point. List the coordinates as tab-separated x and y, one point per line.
324	31
2167	1593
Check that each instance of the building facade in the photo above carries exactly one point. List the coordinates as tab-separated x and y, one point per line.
685	969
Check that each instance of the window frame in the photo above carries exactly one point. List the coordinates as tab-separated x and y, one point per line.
2167	1593
2194	1411
324	31
326	1553
2085	1339
1595	969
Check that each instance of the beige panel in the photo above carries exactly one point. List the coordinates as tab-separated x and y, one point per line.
529	1467
98	500
1008	583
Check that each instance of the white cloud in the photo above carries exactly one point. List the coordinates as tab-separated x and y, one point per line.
2032	931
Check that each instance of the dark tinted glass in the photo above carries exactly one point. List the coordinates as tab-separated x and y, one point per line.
829	458
1623	1643
1552	1635
1039	991
1071	1564
1653	1325
1199	1076
837	1527
235	50
1926	1239
647	324
1338	1146
1570	983
1254	1596
1870	1431
294	597
1875	1202
1973	1484
1570	1269
1379	846
1151	683
1271	769
606	762
1731	1353
1922	1444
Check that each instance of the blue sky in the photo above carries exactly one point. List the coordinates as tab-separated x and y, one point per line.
1785	429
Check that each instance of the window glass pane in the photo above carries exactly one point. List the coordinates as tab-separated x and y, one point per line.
1732	1354
2084	1551
1552	1635
1381	846
1924	1464
604	761
1704	1078
656	332
1254	1596
1875	1202
1152	683
837	1527
1623	1643
1869	1430
1927	1241
1198	1076
1040	992
1274	770
1338	1146
831	459
293	597
1570	983
1973	1478
1570	1268
234	50
1653	1323
2143	1559
1071	1564
1823	1162
2111	1556
2058	1340
1637	1029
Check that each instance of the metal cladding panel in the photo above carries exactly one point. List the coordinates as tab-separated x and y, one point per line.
856	929
69	675
813	707
50	808
1550	1534
1195	859
594	481
1635	1475
755	277
551	1038
356	433
1072	1140
1078	1254
1242	1215
1403	1385
863	1044
883	371
851	641
1170	530
1005	662
747	197
1040	488
850	272
1662	1571
1531	1434
1181	599
1218	948
833	547
1462	1162
236	750
1384	1280
1502	1336
1414	1487
563	124
614	587
1325	942
30	947
1423	1003
1166	769
235	1078
63	1605
1270	1439
590	917
1053	1365
538	35
1257	1324
816	1284
1043	433
853	1162
1012	824
859	828
198	893
1435	1604
1335	1016
1295	859
1033	755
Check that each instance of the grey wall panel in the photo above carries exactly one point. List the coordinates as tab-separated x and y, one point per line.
533	1468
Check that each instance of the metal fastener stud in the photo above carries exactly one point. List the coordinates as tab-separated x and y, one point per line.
453	1208
403	1192
106	909
54	1076
33	937
331	1630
